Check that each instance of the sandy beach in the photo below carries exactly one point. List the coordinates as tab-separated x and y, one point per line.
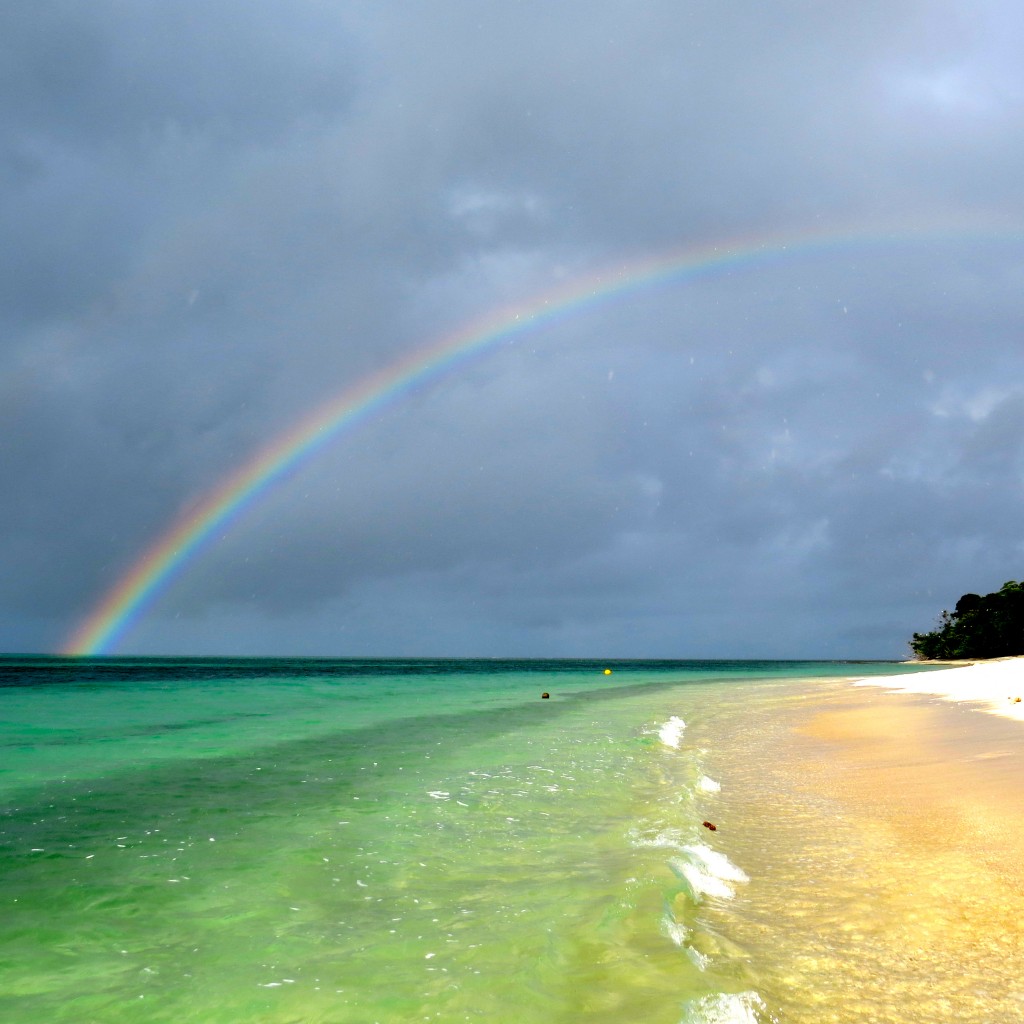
929	770
992	686
937	756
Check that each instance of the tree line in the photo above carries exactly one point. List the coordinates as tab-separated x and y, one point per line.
989	626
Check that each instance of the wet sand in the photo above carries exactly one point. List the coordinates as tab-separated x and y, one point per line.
932	791
943	776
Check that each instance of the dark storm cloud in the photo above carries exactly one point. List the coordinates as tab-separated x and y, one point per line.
218	216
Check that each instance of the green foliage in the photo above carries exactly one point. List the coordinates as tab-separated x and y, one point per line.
979	627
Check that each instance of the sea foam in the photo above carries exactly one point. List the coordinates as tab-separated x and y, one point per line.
716	863
726	1008
668	838
707	872
672	732
675	931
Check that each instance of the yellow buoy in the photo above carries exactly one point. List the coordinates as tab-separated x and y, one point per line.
607	671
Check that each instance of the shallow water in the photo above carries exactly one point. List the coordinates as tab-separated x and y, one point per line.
400	841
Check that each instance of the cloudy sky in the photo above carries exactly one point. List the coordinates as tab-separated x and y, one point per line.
218	216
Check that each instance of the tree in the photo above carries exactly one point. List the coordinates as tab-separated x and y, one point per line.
989	626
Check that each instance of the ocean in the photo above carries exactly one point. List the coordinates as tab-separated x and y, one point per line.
420	840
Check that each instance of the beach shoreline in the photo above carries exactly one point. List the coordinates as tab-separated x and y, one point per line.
914	750
881	822
927	795
993	685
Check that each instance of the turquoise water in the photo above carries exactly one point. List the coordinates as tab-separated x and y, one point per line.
360	841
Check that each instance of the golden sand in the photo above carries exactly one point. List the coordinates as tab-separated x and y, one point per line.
934	793
884	834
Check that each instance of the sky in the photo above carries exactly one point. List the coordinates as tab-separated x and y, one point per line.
219	216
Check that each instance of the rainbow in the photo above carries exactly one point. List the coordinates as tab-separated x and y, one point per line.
132	596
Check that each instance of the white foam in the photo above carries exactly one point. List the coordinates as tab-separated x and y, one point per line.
670	839
672	732
701	882
708	785
677	932
725	1008
698	959
707	872
717	863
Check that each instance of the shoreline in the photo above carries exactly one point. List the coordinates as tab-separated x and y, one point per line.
911	754
915	750
881	822
993	685
929	794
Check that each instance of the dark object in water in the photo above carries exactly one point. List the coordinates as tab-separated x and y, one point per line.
545	696
707	824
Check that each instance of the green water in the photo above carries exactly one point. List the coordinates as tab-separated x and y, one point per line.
378	841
